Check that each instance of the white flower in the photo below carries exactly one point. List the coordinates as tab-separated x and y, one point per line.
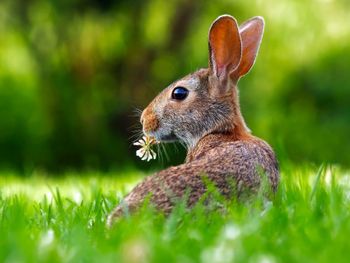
47	239
145	152
77	197
231	231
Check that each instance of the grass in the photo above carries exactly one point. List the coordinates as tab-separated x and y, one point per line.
45	219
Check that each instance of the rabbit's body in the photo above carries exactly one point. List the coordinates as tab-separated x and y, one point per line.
216	157
202	110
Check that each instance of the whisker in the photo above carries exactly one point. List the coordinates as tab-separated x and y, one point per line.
136	130
176	148
136	112
160	155
183	144
136	136
165	152
135	126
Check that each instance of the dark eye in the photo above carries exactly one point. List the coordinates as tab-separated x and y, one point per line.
179	93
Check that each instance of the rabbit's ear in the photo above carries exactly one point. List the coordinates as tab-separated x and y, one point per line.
224	46
251	34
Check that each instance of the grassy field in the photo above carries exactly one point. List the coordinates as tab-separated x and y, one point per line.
46	219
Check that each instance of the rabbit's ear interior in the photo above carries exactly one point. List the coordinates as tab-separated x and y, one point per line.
224	46
251	34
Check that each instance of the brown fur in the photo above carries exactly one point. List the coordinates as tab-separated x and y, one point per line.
149	120
210	123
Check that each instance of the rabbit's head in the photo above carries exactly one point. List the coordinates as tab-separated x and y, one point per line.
206	101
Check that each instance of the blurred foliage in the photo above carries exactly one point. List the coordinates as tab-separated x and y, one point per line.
72	73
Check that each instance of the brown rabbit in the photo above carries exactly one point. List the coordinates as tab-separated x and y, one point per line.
202	110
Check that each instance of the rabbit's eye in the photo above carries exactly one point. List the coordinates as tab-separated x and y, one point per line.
179	93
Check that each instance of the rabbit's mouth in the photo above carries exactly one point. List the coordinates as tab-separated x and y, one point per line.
164	137
168	137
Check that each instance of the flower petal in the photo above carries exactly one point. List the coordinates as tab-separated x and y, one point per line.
149	157
140	152
153	153
145	157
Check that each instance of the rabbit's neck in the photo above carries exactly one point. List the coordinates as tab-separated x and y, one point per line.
213	140
234	129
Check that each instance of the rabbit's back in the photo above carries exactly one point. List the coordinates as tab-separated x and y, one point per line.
245	161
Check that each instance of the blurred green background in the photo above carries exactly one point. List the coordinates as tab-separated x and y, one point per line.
72	73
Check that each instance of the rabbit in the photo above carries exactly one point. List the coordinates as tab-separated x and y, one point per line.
202	110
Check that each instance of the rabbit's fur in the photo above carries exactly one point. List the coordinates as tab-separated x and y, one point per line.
209	122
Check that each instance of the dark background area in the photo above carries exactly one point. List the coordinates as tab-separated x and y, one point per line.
72	73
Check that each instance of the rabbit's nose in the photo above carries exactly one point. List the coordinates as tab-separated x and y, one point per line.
149	120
